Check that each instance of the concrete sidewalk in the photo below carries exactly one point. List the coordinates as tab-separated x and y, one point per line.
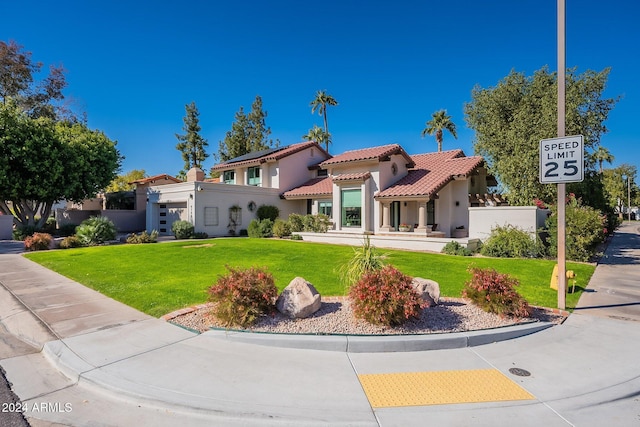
78	358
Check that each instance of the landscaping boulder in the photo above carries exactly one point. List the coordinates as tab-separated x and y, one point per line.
299	300
429	290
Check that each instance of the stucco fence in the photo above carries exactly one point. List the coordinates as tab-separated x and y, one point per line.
483	219
6	227
125	221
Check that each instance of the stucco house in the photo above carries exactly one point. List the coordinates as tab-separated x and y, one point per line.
227	205
373	190
379	189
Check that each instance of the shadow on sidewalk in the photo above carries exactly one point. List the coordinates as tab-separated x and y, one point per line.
11	247
623	249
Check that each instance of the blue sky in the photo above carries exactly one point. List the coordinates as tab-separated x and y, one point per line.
133	65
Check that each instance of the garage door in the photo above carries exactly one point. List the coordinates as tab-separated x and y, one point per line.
169	213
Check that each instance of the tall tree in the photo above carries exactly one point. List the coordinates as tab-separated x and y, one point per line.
317	134
123	182
320	103
249	133
511	118
616	185
37	99
192	145
258	130
439	122
601	155
42	161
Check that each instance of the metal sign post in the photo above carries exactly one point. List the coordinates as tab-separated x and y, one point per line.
562	159
562	267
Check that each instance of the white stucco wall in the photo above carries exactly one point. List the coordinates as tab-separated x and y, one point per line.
294	169
6	227
386	176
201	195
483	219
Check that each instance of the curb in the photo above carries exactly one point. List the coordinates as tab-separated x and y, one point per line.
381	343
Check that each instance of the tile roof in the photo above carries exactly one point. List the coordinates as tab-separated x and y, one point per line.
314	187
152	179
373	153
431	173
352	176
269	155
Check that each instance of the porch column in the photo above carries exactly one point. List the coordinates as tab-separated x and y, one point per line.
385	217
422	215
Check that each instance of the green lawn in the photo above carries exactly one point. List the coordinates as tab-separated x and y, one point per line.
160	278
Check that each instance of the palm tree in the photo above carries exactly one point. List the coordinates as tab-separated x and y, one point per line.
317	134
320	103
602	155
439	121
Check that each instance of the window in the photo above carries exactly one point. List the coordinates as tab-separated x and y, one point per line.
229	177
431	212
254	176
326	208
351	208
322	172
211	216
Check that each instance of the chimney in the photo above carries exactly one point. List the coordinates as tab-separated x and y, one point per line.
195	174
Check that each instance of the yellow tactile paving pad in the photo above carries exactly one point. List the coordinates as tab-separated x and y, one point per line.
440	388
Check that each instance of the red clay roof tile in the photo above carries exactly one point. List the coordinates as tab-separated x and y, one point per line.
362	176
155	178
314	187
275	155
372	153
432	172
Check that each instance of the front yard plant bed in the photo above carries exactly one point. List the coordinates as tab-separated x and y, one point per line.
160	278
335	317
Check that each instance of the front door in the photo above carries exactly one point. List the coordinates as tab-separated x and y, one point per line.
395	215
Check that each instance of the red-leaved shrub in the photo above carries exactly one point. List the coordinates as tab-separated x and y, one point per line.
385	297
37	242
495	293
242	295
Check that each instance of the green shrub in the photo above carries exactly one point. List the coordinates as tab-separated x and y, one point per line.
182	229
511	242
316	223
70	242
495	293
281	228
319	223
296	237
22	233
260	228
455	248
385	297
242	295
37	242
365	259
200	235
243	232
295	223
307	223
96	230
143	237
585	229
267	212
67	230
49	226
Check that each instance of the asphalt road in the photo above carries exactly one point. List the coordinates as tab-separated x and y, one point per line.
10	412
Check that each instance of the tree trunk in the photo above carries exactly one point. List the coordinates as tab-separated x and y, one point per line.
326	127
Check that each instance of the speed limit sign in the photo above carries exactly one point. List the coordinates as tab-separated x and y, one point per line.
562	159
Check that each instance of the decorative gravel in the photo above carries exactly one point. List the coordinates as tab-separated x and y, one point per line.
336	317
